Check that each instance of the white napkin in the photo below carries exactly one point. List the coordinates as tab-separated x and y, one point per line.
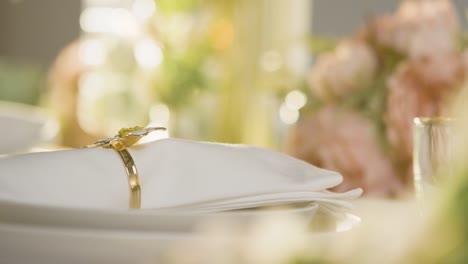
174	174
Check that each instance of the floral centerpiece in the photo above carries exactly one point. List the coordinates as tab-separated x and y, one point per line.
368	88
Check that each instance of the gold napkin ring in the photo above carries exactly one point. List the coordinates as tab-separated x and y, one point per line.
127	137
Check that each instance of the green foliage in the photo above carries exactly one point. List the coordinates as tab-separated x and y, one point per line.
181	74
318	45
373	99
21	82
313	102
462	41
171	6
456	209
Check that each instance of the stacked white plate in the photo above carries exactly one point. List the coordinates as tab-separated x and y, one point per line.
41	234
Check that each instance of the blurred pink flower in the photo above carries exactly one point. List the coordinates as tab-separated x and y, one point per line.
343	71
419	28
345	142
419	87
63	78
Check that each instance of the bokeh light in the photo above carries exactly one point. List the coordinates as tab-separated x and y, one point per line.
108	20
296	99
288	115
148	54
143	9
92	52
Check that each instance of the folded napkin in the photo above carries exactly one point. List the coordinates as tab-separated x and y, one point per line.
174	174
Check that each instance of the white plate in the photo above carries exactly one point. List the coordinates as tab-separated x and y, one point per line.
143	220
41	234
33	244
23	126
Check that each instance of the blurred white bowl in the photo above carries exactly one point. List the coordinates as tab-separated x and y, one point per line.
24	126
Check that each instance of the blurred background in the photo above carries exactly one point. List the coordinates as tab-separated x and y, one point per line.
335	83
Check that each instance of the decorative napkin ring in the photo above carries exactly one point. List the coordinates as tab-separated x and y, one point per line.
127	137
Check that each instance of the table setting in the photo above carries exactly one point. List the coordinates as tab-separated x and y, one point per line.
181	185
235	132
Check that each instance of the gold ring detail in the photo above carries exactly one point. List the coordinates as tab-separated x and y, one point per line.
126	138
132	173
